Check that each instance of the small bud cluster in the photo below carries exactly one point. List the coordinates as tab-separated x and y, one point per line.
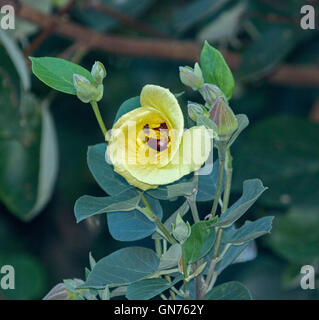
87	91
192	77
182	230
224	118
216	106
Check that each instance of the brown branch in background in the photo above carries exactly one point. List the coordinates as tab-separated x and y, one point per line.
74	52
124	19
47	30
166	49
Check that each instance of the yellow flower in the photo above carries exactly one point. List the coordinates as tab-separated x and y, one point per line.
149	146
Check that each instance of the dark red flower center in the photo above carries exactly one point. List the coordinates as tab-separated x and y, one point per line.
157	144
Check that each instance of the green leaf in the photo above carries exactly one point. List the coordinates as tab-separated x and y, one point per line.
123	267
37	150
232	253
227	251
182	210
243	122
295	235
199	242
17	58
232	290
161	192
88	206
216	71
133	225
10	98
48	169
58	73
250	231
261	57
127	106
91	260
207	184
252	190
149	288
171	257
103	172
181	189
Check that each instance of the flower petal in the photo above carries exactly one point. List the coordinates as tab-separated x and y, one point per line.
194	150
164	101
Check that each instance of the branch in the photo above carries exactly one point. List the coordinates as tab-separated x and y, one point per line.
47	30
302	76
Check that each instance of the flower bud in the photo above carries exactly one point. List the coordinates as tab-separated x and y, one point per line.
100	91
86	91
210	93
192	77
58	292
98	72
224	118
194	110
182	230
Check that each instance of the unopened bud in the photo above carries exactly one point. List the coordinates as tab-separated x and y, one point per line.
98	72
192	77
224	118
182	230
210	93
85	90
194	110
59	292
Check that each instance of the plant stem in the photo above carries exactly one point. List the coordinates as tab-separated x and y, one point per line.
163	297
158	247
211	269
99	119
178	292
158	222
221	156
192	203
171	292
229	174
198	282
210	275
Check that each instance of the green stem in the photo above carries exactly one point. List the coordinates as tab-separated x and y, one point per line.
171	292
198	283
158	247
99	119
178	292
192	203
158	222
221	156
229	172
192	200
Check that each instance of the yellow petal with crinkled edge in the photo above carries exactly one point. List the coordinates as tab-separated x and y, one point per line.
128	140
164	101
194	150
122	146
120	169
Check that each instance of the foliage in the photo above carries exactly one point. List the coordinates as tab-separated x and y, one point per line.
133	215
266	35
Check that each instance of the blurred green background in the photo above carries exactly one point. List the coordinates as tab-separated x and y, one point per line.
276	66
